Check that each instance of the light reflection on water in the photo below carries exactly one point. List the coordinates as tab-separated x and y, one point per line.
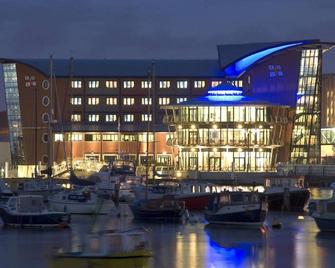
297	244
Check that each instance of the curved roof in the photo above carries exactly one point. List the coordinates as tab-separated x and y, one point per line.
124	68
237	58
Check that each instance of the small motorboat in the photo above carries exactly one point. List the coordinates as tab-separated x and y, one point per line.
108	249
30	211
236	208
38	187
164	209
286	193
80	201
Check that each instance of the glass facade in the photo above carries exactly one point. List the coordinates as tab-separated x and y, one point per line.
306	132
13	112
226	138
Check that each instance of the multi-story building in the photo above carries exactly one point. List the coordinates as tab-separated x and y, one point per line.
102	109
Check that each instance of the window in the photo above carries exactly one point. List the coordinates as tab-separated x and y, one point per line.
128	101
75	117
93	84
76	84
182	84
164	84
59	137
92	137
93	118
179	100
199	84
164	101
237	83
128	137
143	137
216	83
110	137
93	101
111	101
75	137
75	101
128	117
146	84
128	84
146	117
111	84
146	101
110	117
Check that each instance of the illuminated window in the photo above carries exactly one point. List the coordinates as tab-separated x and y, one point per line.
128	117
164	84
146	84
146	101
146	117
92	137
128	84
110	137
93	84
182	84
164	101
75	137
76	84
128	137
111	101
59	137
216	83
128	101
75	117
110	117
93	118
237	83
179	100
111	84
75	100
93	101
199	84
143	137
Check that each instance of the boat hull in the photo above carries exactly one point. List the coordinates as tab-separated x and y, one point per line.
253	217
298	200
34	219
194	201
138	259
325	224
81	207
158	214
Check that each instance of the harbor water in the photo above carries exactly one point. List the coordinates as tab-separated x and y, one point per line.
191	244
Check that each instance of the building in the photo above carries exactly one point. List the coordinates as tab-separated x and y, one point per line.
103	109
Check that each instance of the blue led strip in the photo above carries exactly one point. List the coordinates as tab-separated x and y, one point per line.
238	67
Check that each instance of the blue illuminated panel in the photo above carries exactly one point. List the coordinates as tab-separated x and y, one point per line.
238	67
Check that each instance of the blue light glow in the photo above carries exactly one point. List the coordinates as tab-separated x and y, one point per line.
225	92
229	98
238	67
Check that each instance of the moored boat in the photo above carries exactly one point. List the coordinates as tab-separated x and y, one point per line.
80	201
286	193
236	208
30	211
125	249
165	209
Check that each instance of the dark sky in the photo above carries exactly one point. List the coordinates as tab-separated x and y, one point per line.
156	28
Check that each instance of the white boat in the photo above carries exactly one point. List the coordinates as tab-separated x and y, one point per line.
107	249
38	187
30	211
80	201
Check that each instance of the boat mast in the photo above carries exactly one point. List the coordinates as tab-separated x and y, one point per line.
148	132
51	118
71	95
35	156
153	73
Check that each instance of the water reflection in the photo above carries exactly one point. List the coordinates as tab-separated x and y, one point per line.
232	247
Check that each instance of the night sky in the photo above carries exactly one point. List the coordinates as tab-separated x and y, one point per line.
156	29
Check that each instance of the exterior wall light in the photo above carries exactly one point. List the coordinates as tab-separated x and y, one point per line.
215	126
260	126
180	127
193	127
178	174
192	150
239	149
239	126
215	150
